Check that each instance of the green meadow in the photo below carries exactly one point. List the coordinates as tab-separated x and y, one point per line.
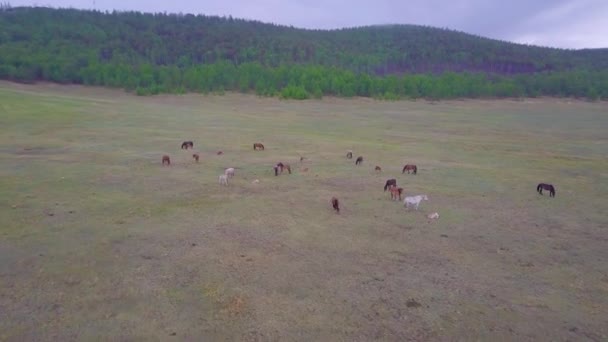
98	240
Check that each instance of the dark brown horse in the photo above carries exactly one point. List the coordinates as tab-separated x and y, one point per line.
258	146
282	166
410	167
335	204
390	182
187	144
396	193
548	187
196	157
359	160
349	154
166	160
219	153
378	169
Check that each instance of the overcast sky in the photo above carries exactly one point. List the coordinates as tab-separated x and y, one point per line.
558	23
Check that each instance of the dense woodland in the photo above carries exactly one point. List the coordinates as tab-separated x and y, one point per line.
161	53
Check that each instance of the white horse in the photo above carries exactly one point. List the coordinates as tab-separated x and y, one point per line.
229	172
414	200
223	180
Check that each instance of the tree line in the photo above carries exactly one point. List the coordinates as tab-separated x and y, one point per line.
160	53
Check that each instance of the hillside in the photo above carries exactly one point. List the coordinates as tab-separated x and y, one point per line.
177	51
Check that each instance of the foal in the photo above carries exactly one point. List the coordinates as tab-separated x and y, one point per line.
378	169
223	180
414	200
359	160
349	154
396	192
187	144
410	167
196	156
258	146
229	172
166	160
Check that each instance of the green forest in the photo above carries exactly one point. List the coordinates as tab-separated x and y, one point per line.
177	53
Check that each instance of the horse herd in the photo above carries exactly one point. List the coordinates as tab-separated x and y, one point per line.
390	185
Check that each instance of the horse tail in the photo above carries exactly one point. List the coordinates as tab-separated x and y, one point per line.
415	169
538	187
405	167
386	186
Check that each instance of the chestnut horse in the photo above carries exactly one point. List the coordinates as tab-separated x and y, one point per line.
378	169
359	160
196	156
258	146
395	192
410	167
549	187
187	144
166	160
336	204
390	182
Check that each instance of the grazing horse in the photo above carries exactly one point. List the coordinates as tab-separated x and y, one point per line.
378	169
166	160
223	180
336	204
433	216
302	159
258	146
395	192
390	182
196	157
359	160
229	172
282	166
349	154
410	167
548	187
219	153
187	144
414	200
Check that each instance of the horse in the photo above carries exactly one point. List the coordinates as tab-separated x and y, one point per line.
219	153
349	154
335	204
410	167
276	170
223	180
282	166
166	160
414	200
390	182
196	156
302	159
187	144
378	169
549	187
395	192
432	216
258	146
229	172
359	160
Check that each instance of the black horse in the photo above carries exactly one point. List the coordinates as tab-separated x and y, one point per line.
389	183
548	187
187	144
359	160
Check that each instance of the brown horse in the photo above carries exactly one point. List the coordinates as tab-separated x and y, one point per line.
282	166
410	167
166	160
378	169
396	192
349	154
219	153
359	160
390	182
196	157
276	170
549	187
258	146
335	204
187	144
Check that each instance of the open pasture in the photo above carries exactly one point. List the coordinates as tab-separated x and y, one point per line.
99	239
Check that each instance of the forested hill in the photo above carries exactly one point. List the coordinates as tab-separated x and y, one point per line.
160	53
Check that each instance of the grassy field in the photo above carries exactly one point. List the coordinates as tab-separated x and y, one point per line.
98	241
